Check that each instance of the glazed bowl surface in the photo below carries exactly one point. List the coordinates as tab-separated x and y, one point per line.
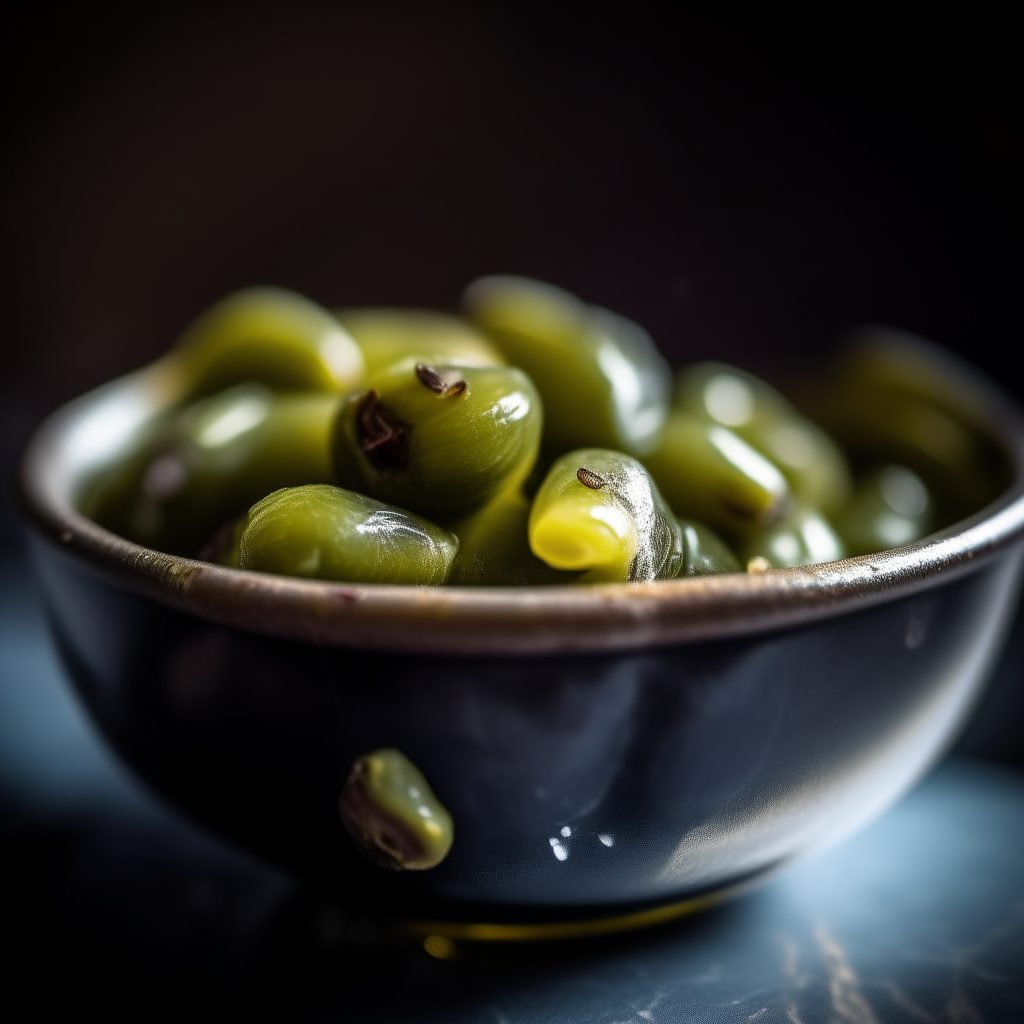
602	750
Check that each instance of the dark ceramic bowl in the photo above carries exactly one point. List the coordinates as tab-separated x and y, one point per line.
606	752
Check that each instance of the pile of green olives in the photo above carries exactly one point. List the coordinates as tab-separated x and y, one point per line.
534	439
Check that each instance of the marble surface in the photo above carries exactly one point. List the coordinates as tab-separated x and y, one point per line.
124	906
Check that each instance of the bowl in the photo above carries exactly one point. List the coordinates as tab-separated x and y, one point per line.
611	755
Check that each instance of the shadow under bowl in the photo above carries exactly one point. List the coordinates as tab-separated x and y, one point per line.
604	751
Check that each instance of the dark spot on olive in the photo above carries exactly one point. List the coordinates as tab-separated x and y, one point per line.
383	438
740	511
439	385
377	835
590	479
430	378
392	815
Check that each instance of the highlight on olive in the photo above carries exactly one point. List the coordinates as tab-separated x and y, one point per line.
533	438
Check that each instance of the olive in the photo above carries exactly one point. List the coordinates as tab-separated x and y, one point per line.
890	507
325	532
803	537
708	473
896	398
706	552
440	440
387	335
811	461
886	359
208	462
599	513
392	814
270	335
494	547
602	379
419	413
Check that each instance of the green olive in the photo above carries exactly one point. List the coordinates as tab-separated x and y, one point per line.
440	440
325	532
886	359
386	336
896	398
599	513
272	336
891	507
706	553
708	473
811	461
207	463
392	814
601	377
804	537
494	547
442	417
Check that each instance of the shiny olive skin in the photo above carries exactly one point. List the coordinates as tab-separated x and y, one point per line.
952	459
320	531
706	553
269	335
599	513
886	359
441	416
386	336
708	473
890	507
439	440
207	463
602	379
494	547
811	461
392	814
895	398
803	537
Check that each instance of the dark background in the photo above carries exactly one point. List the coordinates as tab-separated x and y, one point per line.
742	187
745	187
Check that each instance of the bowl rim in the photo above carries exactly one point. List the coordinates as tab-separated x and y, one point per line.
468	621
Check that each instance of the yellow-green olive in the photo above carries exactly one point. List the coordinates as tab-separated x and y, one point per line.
272	336
706	553
494	547
896	398
392	814
891	507
207	463
804	537
325	532
602	380
599	513
810	460
708	473
386	336
439	440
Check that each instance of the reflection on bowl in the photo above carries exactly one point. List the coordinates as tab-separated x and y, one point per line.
603	751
